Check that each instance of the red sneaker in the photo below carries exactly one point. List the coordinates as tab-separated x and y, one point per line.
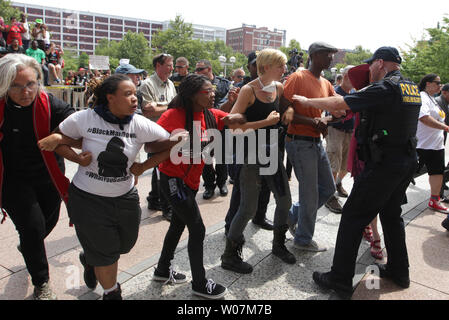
436	205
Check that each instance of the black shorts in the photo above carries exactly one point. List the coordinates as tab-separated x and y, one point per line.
433	159
106	227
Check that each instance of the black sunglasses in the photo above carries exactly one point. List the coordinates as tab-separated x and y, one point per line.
437	82
201	69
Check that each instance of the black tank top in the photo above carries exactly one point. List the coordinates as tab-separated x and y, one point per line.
260	111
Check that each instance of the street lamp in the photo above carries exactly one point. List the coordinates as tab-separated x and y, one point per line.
223	60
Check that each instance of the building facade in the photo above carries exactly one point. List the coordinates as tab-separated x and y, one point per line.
204	33
250	38
81	31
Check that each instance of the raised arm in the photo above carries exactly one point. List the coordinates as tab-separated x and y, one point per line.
331	104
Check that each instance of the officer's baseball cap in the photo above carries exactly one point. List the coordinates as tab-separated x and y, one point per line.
445	87
386	54
321	46
252	57
128	69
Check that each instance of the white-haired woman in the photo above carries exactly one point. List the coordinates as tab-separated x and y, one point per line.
259	101
32	182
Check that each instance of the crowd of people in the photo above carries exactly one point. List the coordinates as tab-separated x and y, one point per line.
375	134
32	39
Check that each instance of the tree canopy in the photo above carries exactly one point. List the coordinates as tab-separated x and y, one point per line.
7	11
429	56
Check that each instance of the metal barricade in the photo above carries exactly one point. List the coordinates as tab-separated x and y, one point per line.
73	95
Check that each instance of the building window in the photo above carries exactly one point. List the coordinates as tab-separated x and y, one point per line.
101	19
130	23
116	28
86	17
117	21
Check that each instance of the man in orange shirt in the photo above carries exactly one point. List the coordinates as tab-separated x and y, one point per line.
305	149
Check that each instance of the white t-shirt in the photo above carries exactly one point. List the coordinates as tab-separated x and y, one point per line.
430	138
113	150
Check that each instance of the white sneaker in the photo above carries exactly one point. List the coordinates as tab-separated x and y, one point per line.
312	247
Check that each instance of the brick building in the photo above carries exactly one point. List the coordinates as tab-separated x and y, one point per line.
250	38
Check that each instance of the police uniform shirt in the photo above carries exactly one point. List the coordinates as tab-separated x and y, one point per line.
154	89
378	96
394	103
177	79
221	86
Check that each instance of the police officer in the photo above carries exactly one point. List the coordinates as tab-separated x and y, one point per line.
182	71
215	177
389	110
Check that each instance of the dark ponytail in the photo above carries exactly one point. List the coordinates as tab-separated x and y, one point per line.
427	78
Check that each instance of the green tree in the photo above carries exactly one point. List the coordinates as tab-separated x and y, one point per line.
71	62
134	47
292	45
177	41
357	56
429	56
83	60
7	11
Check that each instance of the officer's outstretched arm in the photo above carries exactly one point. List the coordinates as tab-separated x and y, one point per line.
331	104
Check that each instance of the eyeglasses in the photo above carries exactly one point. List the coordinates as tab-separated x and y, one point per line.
31	86
240	77
200	69
209	91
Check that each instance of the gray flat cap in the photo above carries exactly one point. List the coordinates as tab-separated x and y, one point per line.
321	46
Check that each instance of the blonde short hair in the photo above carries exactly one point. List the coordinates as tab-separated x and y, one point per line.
270	57
13	63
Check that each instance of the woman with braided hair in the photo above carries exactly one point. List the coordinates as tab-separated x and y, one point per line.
180	182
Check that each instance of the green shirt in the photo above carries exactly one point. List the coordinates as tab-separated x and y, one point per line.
37	54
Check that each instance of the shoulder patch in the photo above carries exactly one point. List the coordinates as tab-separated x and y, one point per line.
410	93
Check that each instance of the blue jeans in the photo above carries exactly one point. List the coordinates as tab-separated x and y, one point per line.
316	185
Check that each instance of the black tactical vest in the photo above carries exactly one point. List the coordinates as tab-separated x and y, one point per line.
394	127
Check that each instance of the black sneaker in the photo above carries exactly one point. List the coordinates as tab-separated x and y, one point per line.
445	224
154	205
171	277
114	295
208	193
385	272
167	214
264	224
326	281
211	290
89	273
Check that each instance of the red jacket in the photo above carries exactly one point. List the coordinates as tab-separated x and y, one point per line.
41	121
